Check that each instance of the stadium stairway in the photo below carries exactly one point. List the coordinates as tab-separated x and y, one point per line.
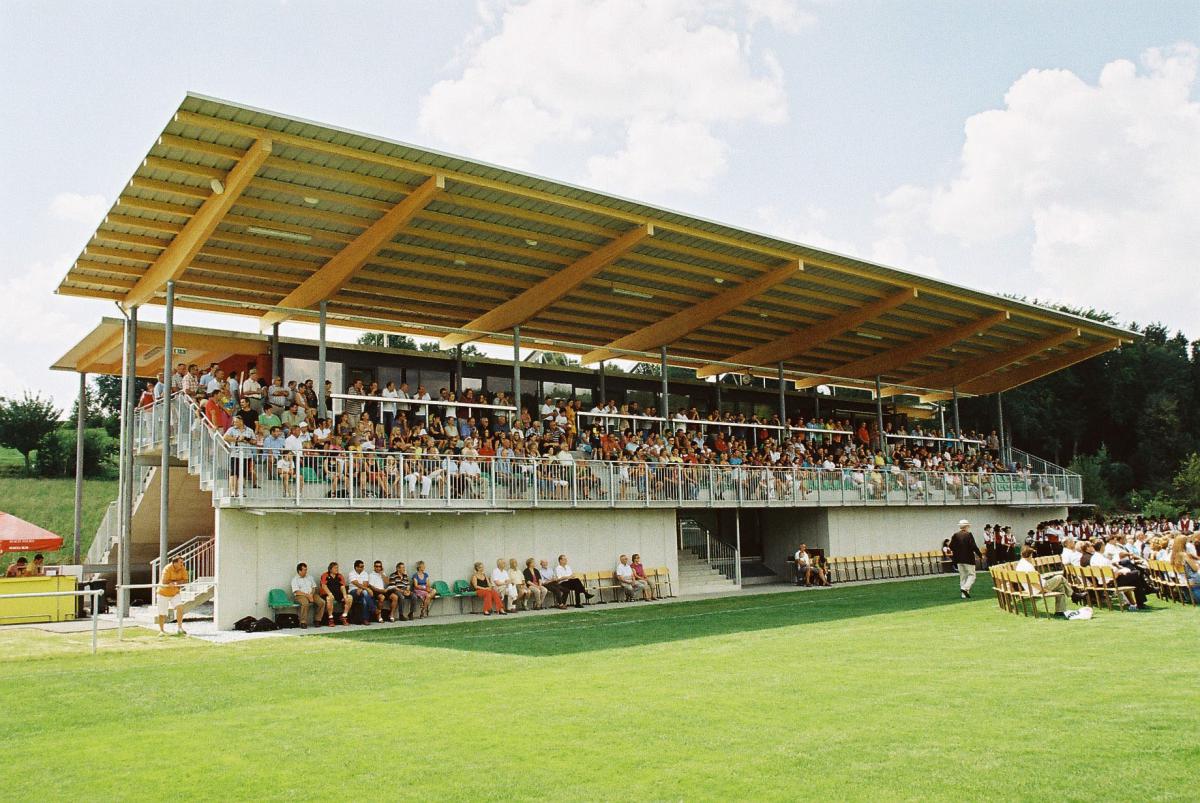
697	577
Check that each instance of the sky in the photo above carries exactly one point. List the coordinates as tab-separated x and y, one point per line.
1044	149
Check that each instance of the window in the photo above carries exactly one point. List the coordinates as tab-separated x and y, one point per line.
301	370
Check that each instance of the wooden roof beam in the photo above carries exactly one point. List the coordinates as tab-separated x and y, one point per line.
963	372
691	318
903	355
517	310
195	233
801	341
1036	370
343	265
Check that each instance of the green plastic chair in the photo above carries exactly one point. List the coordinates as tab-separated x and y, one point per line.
443	591
279	600
462	590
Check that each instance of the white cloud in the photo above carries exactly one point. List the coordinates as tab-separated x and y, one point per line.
76	208
644	88
1097	183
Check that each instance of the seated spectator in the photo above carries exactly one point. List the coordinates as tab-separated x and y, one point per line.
503	585
360	590
304	592
482	588
377	581
1050	582
1125	578
401	584
517	580
334	590
534	584
639	571
551	582
569	583
1186	565
18	568
422	588
807	570
630	583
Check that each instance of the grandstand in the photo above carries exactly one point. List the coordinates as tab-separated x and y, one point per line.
243	211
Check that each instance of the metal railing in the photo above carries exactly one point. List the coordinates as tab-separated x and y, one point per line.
248	476
198	555
106	535
1036	464
718	555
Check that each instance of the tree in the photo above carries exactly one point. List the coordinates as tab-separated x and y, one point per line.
389	341
25	424
1187	481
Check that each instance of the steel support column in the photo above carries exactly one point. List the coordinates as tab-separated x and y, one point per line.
879	417
164	471
782	402
1000	426
128	430
516	378
322	408
663	412
80	424
276	357
957	426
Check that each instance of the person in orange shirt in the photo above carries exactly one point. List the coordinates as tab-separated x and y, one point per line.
175	576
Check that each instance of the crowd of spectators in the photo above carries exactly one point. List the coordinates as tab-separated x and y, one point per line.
411	438
1126	545
371	593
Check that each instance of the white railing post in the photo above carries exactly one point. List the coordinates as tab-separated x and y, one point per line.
574	485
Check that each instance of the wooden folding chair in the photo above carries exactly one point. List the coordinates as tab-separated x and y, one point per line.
664	575
1029	584
606	581
1000	589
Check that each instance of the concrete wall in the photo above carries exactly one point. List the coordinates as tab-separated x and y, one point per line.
871	531
258	553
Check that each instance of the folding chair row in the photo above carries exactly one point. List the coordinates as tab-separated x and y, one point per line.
1169	584
1098	584
883	567
1015	588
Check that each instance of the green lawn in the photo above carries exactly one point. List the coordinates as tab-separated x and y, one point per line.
896	691
51	504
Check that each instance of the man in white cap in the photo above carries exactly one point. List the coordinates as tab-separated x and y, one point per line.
965	552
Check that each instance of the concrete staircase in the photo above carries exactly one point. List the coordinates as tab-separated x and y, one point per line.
197	593
697	577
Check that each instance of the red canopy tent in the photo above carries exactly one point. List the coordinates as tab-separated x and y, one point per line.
18	535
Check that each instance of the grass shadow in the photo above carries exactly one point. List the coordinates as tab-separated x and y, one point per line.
633	624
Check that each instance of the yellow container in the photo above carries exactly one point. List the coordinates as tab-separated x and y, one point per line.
36	609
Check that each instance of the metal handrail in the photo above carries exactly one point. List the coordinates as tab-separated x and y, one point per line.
501	482
123	596
94	593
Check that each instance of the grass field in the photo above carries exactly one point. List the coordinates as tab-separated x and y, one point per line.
51	504
896	691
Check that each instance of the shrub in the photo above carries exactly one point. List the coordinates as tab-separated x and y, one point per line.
56	454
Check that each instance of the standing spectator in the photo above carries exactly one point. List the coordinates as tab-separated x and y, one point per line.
304	592
251	391
173	577
965	552
389	407
278	396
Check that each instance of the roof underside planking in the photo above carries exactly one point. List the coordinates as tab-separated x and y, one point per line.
254	213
